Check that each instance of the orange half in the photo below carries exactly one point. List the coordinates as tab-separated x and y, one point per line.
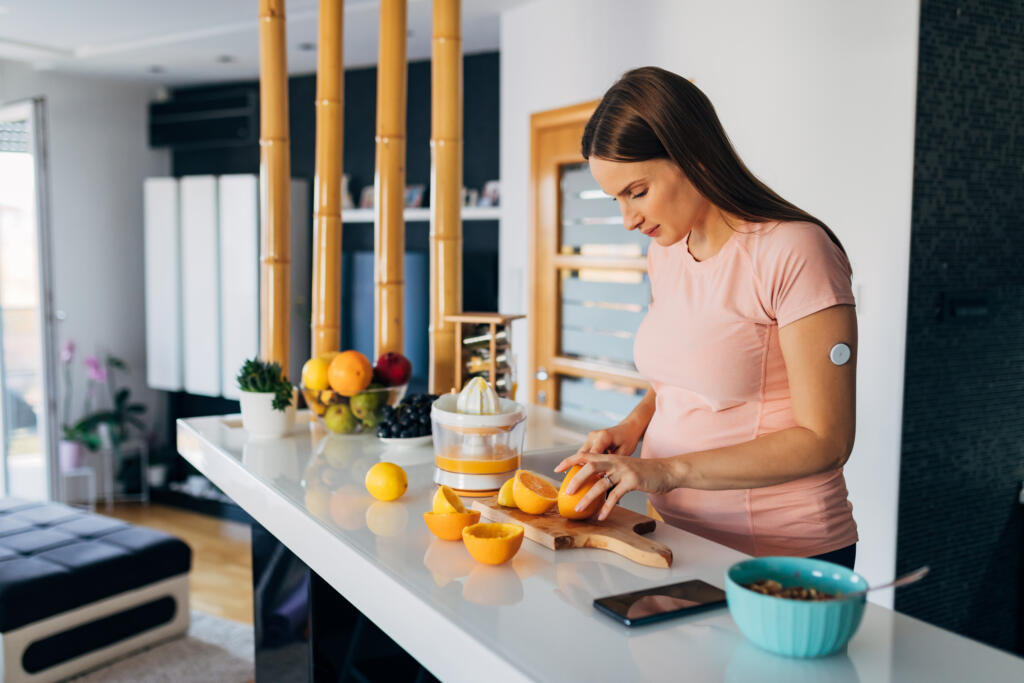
533	494
492	542
448	526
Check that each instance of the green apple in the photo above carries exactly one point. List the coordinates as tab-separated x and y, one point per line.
340	420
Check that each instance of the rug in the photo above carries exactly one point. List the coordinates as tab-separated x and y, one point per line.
215	649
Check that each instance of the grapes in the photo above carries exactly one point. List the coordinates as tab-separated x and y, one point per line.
410	418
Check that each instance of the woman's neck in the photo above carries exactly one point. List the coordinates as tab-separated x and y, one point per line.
709	235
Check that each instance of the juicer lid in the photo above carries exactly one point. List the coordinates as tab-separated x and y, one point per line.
443	410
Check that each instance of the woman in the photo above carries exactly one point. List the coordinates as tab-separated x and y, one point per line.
749	344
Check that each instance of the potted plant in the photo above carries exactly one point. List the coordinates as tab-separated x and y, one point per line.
102	427
268	399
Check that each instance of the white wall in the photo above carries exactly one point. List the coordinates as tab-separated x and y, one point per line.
818	98
98	157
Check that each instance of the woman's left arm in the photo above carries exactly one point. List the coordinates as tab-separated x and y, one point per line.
824	409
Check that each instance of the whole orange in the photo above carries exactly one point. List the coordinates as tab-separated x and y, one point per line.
567	503
349	373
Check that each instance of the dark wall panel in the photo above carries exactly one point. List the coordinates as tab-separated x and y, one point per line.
963	429
480	164
480	124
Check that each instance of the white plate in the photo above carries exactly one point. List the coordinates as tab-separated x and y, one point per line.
407	443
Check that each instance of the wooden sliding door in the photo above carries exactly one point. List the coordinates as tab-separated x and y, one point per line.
589	286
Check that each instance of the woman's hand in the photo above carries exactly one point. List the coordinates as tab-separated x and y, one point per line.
618	440
618	476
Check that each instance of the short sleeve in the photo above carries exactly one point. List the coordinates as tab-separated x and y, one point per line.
802	272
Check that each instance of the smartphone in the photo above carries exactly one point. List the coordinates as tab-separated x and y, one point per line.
663	602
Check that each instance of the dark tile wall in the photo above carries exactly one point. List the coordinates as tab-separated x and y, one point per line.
963	425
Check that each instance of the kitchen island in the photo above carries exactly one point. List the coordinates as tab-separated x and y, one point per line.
531	619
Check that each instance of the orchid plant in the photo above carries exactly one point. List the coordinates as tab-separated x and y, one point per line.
119	416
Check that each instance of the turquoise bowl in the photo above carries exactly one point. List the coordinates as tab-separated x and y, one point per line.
795	628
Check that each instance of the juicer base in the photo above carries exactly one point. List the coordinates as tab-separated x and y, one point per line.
482	484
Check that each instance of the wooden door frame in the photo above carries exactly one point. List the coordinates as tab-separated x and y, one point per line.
545	262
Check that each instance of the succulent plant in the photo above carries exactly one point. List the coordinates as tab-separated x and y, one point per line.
265	377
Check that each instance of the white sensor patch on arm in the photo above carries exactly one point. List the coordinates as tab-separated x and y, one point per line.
839	354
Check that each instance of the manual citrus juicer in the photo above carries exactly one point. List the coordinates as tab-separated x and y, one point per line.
478	439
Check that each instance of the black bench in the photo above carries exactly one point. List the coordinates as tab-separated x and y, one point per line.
78	589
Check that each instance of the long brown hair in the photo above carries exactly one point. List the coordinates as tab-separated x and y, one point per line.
651	113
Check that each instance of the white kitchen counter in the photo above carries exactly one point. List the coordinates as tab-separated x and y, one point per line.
531	619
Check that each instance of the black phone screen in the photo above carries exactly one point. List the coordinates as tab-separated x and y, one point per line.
655	604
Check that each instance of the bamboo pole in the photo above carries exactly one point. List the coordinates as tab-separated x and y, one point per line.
275	178
389	181
445	192
326	323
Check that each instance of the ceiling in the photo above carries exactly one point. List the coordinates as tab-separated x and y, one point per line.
181	42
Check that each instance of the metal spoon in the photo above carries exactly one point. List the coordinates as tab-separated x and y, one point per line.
908	578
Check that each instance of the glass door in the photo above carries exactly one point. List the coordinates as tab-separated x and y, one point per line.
27	428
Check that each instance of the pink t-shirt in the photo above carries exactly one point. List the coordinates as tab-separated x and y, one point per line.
709	345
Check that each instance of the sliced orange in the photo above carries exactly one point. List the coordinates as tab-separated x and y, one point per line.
533	494
492	542
505	498
567	503
448	526
446	500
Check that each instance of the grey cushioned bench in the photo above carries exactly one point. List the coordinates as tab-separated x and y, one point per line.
78	589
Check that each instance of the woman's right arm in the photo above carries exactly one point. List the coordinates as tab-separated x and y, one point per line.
620	439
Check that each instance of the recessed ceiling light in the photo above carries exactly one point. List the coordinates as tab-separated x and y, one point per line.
410	33
225	59
156	69
307	47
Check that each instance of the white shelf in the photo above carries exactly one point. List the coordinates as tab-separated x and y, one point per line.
469	213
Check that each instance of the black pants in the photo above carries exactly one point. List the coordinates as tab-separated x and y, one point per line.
844	556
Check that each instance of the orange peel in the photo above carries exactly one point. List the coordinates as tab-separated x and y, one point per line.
446	500
493	542
448	526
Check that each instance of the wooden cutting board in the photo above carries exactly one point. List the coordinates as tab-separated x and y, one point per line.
619	533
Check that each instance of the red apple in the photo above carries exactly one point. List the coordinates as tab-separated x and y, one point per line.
392	369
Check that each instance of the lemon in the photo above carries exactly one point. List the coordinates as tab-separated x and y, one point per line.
446	500
505	497
386	481
314	374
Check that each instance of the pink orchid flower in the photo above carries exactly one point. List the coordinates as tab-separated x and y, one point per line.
67	354
97	373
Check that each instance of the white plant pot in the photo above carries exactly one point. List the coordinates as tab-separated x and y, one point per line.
157	475
70	455
260	419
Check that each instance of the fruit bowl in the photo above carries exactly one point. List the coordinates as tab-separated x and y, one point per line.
359	413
